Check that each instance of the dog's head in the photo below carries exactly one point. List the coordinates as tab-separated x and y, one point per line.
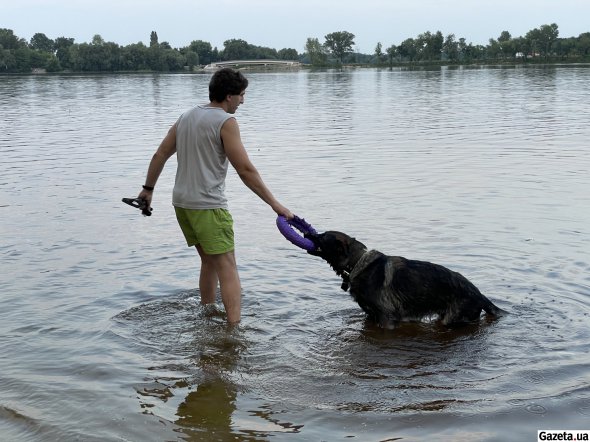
340	250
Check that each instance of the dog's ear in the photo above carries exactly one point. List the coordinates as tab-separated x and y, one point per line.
339	247
345	247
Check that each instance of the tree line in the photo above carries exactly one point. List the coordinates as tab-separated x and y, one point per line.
64	54
540	44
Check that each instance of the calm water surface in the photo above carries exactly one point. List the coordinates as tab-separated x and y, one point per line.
102	337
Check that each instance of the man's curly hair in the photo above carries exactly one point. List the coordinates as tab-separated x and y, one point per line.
226	82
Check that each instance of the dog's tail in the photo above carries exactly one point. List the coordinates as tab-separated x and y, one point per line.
493	310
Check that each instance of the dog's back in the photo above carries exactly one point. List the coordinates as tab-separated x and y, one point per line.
395	289
392	288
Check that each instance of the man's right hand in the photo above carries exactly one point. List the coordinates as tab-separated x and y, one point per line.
282	210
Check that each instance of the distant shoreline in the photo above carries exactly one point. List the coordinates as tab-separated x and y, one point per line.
347	66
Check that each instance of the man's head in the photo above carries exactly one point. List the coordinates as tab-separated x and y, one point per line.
226	82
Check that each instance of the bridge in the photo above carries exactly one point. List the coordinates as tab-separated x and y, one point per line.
291	64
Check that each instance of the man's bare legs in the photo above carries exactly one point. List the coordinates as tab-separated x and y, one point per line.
208	278
221	268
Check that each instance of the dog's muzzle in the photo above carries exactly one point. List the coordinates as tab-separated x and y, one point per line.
314	237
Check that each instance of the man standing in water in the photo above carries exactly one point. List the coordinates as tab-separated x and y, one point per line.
204	139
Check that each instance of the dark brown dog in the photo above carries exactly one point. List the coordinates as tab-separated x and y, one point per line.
392	289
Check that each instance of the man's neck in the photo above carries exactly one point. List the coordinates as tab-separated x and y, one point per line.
218	105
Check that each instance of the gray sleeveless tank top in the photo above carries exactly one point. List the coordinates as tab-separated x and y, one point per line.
202	163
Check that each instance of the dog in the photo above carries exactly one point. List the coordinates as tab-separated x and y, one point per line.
391	289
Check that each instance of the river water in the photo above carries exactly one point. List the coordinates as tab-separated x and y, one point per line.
485	171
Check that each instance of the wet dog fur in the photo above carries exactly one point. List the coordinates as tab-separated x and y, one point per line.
391	289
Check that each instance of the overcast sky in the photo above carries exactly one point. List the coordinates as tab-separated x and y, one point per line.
288	23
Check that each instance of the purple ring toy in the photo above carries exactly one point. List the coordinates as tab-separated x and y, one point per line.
286	228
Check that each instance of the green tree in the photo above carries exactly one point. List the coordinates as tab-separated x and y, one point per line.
519	45
392	53
547	37
462	47
7	60
41	42
288	54
97	56
38	59
429	46
155	58
339	43
134	57
203	50
541	39
192	59
583	43
22	58
504	37
74	57
112	51
173	60
262	53
62	47
52	64
379	52
316	53
451	48
477	52
153	39
97	40
408	49
493	50
10	41
236	49
506	45
567	47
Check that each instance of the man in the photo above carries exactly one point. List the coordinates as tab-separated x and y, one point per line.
204	139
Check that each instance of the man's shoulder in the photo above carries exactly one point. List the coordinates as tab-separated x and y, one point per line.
204	112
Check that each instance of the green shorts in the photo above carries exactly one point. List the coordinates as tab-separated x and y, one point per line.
212	229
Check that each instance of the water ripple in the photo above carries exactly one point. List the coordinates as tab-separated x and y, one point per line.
481	170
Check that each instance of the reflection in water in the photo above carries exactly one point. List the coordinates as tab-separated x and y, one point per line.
197	341
416	358
209	409
209	352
